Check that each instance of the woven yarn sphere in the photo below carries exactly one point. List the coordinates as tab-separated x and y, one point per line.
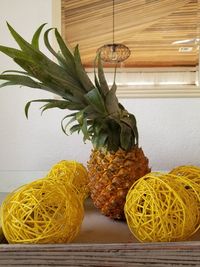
159	208
191	172
42	212
71	173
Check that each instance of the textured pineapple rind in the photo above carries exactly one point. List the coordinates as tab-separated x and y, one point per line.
111	174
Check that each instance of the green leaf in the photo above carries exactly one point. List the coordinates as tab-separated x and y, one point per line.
111	101
47	43
125	137
27	81
61	104
69	58
97	82
58	56
39	59
82	75
5	84
80	117
64	49
27	106
73	115
26	109
95	99
75	128
23	44
51	103
97	126
91	114
51	78
113	129
15	71
82	120
95	76
36	36
14	53
100	141
84	130
102	79
130	120
20	80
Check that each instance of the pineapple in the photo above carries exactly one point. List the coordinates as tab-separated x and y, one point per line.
116	160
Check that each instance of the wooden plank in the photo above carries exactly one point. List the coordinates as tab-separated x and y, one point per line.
136	254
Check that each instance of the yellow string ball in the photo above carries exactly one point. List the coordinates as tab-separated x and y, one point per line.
191	172
190	175
71	173
159	208
42	212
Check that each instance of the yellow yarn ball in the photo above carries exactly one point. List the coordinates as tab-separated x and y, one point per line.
191	172
71	173
42	212
159	208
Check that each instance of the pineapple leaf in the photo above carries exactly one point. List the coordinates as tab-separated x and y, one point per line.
95	99
49	47
82	75
131	122
52	79
26	109
36	36
84	130
102	80
14	53
97	84
20	80
113	130
75	128
90	112
58	56
16	71
80	117
23	44
25	60
125	136
24	81
100	141
41	60
6	84
82	120
27	106
61	104
66	52
111	101
73	115
97	126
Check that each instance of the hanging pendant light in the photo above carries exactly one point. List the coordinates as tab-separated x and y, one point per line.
114	53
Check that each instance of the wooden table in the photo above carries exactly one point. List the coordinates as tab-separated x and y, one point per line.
102	242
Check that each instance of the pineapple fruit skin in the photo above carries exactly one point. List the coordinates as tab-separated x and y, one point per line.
111	174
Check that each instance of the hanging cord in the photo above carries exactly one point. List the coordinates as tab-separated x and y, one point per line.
115	73
113	21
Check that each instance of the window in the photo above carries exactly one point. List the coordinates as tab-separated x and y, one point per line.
163	38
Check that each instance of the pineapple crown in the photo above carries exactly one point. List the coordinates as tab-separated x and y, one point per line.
96	111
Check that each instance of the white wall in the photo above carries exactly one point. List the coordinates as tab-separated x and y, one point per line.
169	128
